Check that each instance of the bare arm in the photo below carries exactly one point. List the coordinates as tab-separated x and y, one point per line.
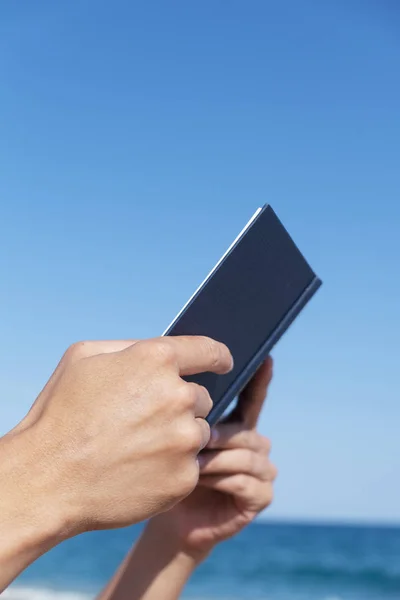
235	485
31	518
111	413
155	568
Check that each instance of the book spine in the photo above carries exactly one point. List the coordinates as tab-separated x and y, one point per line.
242	380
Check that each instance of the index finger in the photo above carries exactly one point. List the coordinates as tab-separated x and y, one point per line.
199	354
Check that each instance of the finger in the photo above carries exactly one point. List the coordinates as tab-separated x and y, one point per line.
234	435
203	402
253	495
232	462
251	400
204	432
198	354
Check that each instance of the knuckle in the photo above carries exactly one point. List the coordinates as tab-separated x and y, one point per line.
161	351
188	394
213	351
241	484
250	461
247	438
266	444
76	351
188	478
205	434
190	438
207	396
274	472
268	496
203	393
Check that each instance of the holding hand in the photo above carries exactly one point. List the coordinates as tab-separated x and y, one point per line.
236	478
234	486
112	440
122	429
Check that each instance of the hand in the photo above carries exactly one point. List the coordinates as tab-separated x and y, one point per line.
235	482
116	432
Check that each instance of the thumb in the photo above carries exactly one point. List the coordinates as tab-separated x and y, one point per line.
252	398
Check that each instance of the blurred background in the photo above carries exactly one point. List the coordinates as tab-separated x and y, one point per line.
136	140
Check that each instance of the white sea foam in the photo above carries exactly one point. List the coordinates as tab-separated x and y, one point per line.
26	593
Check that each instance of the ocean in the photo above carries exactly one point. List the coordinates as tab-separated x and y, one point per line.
267	561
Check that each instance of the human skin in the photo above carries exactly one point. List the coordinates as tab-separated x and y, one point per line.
236	483
112	440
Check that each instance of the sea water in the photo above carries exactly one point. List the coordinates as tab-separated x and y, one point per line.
265	562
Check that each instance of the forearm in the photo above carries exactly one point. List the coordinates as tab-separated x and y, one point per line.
155	568
30	524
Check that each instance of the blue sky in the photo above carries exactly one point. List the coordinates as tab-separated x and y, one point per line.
136	139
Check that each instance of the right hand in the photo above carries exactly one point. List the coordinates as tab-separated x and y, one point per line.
116	431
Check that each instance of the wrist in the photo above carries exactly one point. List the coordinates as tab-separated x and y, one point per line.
32	517
156	567
160	531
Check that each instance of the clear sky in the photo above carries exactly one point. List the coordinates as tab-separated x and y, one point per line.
137	138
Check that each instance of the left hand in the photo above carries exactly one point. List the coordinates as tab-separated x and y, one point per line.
236	478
